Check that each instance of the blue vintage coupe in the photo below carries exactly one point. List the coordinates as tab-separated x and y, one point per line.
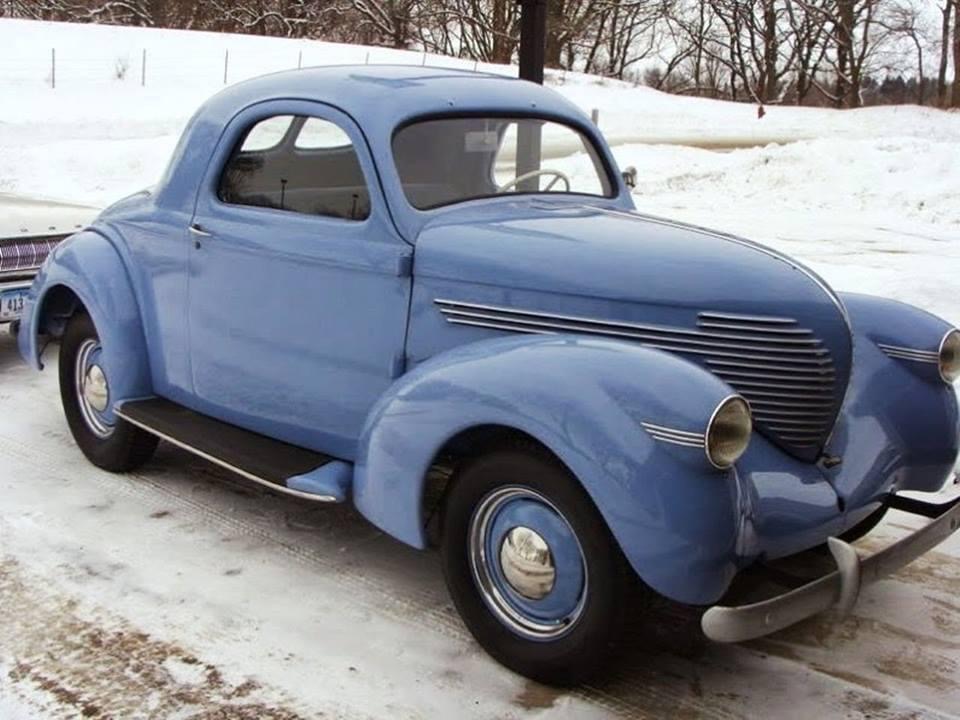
428	291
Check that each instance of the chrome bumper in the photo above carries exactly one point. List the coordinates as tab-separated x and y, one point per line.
841	588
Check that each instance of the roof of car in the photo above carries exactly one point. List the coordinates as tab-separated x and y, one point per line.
390	94
379	99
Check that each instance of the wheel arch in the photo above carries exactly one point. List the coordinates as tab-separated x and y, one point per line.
458	451
675	517
55	309
86	272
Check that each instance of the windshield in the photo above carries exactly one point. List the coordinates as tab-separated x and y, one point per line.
452	159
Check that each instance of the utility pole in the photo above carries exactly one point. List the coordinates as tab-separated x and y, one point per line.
533	39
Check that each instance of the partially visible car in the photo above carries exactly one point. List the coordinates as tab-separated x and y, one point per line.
30	228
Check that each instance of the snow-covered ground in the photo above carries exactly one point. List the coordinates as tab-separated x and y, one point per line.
177	593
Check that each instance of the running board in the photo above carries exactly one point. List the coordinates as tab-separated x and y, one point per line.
285	468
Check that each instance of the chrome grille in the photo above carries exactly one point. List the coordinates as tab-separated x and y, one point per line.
782	369
26	253
793	403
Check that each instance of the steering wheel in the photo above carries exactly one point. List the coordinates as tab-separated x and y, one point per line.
537	173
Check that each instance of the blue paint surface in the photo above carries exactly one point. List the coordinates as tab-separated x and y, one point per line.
332	480
326	334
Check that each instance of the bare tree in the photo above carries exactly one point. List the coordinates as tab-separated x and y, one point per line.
807	34
955	98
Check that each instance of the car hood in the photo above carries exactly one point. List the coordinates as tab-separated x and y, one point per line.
762	322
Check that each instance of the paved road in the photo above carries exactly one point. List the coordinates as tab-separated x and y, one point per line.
177	592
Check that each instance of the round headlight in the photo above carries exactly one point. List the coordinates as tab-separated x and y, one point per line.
728	432
950	356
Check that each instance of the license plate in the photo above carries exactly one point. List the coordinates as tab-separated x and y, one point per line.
11	304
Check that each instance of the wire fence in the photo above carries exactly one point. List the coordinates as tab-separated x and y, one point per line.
146	67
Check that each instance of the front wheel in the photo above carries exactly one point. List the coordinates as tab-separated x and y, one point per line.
532	567
107	441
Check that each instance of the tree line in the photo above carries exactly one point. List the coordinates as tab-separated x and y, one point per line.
845	53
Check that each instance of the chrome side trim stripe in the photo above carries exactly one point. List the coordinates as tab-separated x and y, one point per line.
763	319
674	436
223	463
526	328
456	309
780	368
912	354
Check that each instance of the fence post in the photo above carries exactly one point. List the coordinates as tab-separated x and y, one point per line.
226	65
424	61
300	60
367	61
143	69
595	116
53	68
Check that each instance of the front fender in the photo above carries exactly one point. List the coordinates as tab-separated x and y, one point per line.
676	517
899	428
87	267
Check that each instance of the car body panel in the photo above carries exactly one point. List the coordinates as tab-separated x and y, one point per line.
674	515
570	319
625	274
245	278
89	267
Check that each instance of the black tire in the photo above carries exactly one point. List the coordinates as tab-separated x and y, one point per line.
126	447
588	645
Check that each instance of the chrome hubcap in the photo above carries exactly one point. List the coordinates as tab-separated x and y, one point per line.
93	392
527	563
95	388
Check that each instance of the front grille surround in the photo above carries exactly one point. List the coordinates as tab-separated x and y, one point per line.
26	254
781	368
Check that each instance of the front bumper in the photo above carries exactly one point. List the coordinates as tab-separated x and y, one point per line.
840	588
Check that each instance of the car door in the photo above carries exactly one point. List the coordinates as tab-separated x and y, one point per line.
299	283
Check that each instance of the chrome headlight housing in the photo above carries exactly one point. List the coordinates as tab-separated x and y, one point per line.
949	356
728	432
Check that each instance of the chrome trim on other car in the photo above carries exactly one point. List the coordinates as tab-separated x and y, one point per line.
26	253
841	587
675	436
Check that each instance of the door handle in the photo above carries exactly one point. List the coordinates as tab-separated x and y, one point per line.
198	232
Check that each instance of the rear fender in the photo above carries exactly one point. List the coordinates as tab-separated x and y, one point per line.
86	272
675	516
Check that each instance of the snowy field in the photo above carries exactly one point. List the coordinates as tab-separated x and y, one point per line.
177	593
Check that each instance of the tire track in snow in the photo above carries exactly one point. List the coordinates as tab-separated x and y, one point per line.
640	693
99	666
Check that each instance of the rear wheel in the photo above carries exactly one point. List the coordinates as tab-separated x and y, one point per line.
107	441
532	567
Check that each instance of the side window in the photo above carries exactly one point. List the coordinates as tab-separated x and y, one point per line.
298	164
